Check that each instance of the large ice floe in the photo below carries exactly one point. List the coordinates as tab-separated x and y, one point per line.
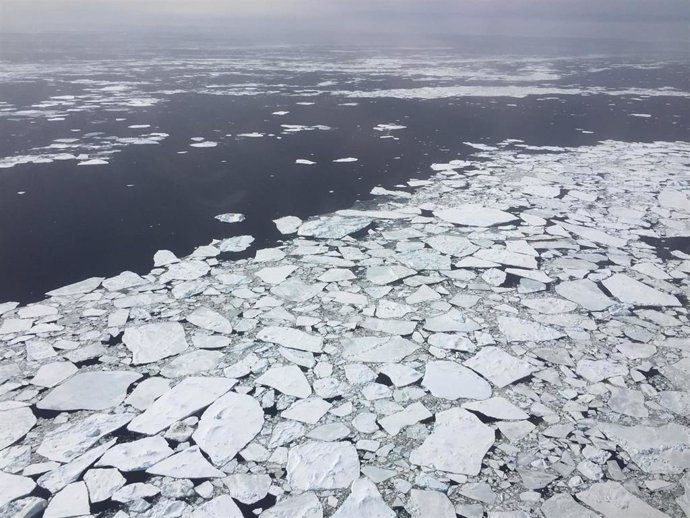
516	348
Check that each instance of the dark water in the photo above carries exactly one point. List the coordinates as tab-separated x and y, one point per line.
75	221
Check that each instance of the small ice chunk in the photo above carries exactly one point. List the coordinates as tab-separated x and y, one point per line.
231	217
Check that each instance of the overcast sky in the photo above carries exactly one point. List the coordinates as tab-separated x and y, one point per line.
399	21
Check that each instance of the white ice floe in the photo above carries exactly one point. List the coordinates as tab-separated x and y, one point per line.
364	500
153	342
206	318
335	227
475	216
94	161
389	127
187	397
236	244
17	422
231	217
288	379
442	450
291	338
499	367
227	426
97	390
450	380
345	160
288	224
627	289
318	465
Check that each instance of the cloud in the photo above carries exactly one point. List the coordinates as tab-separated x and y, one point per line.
344	20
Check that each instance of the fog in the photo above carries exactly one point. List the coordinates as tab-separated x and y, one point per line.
392	21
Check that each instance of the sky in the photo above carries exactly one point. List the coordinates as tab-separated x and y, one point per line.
395	21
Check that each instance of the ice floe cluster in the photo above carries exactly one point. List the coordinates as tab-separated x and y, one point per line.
420	74
507	338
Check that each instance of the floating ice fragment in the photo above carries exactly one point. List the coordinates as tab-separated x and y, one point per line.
475	216
627	289
153	342
316	465
230	217
94	161
444	452
345	160
236	244
288	224
94	390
